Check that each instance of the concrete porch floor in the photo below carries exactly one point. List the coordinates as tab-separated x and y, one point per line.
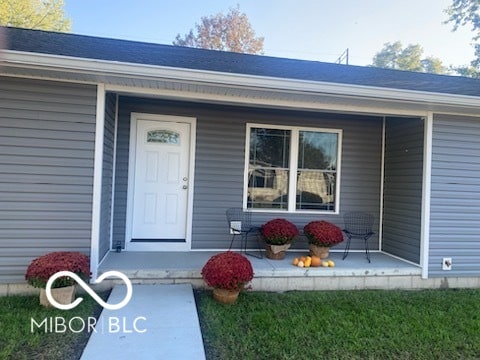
384	271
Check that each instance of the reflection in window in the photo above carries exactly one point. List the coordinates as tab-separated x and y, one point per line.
268	168
271	175
163	136
316	175
268	188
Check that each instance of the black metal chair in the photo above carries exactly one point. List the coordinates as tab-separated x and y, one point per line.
360	225
240	223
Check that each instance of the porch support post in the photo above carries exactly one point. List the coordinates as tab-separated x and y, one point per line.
114	170
382	185
97	181
426	194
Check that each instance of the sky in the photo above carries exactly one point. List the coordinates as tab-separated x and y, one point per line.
318	30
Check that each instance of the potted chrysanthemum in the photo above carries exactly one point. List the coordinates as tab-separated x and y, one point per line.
227	273
321	236
278	235
63	289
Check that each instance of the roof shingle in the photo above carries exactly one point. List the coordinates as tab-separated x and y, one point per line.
89	47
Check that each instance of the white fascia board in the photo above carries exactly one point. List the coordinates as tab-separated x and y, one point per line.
383	109
132	70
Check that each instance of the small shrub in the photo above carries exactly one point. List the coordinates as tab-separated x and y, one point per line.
42	268
228	270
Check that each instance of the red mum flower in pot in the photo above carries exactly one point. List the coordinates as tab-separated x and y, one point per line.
228	273
321	236
63	289
278	235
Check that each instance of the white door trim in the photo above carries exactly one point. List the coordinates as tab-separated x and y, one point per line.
186	246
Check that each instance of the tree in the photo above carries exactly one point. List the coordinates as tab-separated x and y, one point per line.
410	58
34	14
395	56
230	32
462	13
388	56
433	65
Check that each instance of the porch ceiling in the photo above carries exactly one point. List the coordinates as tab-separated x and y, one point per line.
212	87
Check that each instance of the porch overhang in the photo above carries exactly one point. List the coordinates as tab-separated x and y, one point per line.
233	88
222	88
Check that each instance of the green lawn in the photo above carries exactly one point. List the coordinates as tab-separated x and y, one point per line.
17	341
439	324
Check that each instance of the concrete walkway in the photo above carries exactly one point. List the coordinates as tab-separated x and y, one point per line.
159	322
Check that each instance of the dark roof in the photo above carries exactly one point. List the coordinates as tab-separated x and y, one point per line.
90	47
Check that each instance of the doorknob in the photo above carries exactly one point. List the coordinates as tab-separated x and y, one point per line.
185	178
185	187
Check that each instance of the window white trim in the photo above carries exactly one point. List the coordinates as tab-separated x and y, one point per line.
292	184
293	169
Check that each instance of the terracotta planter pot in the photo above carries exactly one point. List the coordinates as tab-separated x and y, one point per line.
276	252
320	251
63	295
225	296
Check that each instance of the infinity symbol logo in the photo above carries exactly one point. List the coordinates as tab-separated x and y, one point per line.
89	290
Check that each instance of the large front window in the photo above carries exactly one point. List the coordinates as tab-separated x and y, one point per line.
292	169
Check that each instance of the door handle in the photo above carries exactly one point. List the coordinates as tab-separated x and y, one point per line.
185	187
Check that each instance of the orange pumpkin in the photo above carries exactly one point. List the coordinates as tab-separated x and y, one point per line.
316	261
295	261
303	258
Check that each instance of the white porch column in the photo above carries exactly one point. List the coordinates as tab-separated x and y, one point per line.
426	194
97	181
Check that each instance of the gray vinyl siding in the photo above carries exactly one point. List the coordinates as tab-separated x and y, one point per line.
47	133
220	163
107	175
403	187
455	196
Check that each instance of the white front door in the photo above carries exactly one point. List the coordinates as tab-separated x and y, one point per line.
160	183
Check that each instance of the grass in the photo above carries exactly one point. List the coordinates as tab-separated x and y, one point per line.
18	342
433	324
